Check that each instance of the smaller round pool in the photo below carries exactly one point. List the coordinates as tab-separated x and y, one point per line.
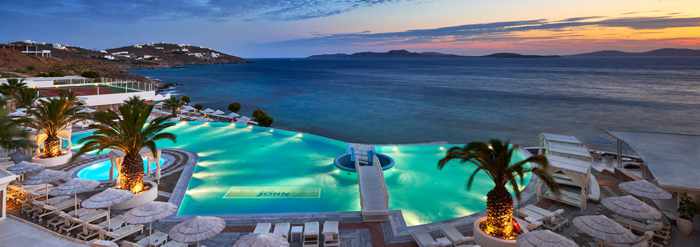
100	170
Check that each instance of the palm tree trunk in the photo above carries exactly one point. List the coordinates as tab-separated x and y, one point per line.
52	147
131	174
499	214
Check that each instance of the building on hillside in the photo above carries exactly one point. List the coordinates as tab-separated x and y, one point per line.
101	94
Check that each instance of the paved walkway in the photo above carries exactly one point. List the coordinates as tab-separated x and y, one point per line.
16	233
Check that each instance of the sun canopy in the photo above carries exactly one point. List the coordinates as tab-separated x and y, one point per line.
671	158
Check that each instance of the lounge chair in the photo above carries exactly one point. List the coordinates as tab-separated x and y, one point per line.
662	232
114	223
331	234
173	243
643	241
47	210
87	216
551	220
424	239
156	238
528	225
262	228
282	230
311	238
456	237
121	233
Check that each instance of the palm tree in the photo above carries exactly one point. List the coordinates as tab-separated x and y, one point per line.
11	135
128	131
494	158
52	116
173	103
12	87
26	97
11	90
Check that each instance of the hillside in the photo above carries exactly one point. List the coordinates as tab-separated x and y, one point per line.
517	55
167	55
25	58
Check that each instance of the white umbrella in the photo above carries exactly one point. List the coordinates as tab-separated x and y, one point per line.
646	189
208	110
631	207
150	212
261	240
187	108
106	199
219	112
25	167
603	228
544	238
233	115
197	228
87	110
74	186
17	114
45	177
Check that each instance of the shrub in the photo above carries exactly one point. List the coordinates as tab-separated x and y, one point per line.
687	209
55	74
29	68
90	74
199	107
185	99
262	118
234	107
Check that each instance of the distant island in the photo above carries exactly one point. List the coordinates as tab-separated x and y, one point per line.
409	54
665	52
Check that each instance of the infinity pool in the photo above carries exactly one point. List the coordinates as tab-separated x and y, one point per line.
255	170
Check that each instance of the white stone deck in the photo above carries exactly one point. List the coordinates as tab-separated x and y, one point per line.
17	233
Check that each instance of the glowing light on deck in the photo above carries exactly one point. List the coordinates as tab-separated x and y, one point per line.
395	149
299	135
442	148
271	130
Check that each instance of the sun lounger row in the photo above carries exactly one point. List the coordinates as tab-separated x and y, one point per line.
450	237
310	235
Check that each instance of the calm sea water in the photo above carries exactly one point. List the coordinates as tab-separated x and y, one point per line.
455	100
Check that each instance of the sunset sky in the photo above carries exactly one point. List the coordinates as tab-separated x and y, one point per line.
294	28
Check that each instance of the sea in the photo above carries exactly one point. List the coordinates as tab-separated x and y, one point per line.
455	100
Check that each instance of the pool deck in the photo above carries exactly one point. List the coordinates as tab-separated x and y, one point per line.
15	232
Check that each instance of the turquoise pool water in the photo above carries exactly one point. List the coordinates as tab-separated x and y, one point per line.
254	170
99	171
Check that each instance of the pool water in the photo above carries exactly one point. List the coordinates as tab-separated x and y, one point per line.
256	170
98	171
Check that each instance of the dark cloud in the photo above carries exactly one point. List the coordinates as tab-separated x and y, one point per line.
128	10
495	30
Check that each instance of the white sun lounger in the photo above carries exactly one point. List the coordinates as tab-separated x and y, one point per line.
550	219
121	233
424	239
311	238
331	234
156	238
262	228
282	230
454	235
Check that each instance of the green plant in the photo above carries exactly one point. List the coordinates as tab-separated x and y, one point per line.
495	158
186	99
129	131
90	74
50	117
55	73
234	107
26	97
199	107
29	68
174	104
687	209
262	118
11	135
